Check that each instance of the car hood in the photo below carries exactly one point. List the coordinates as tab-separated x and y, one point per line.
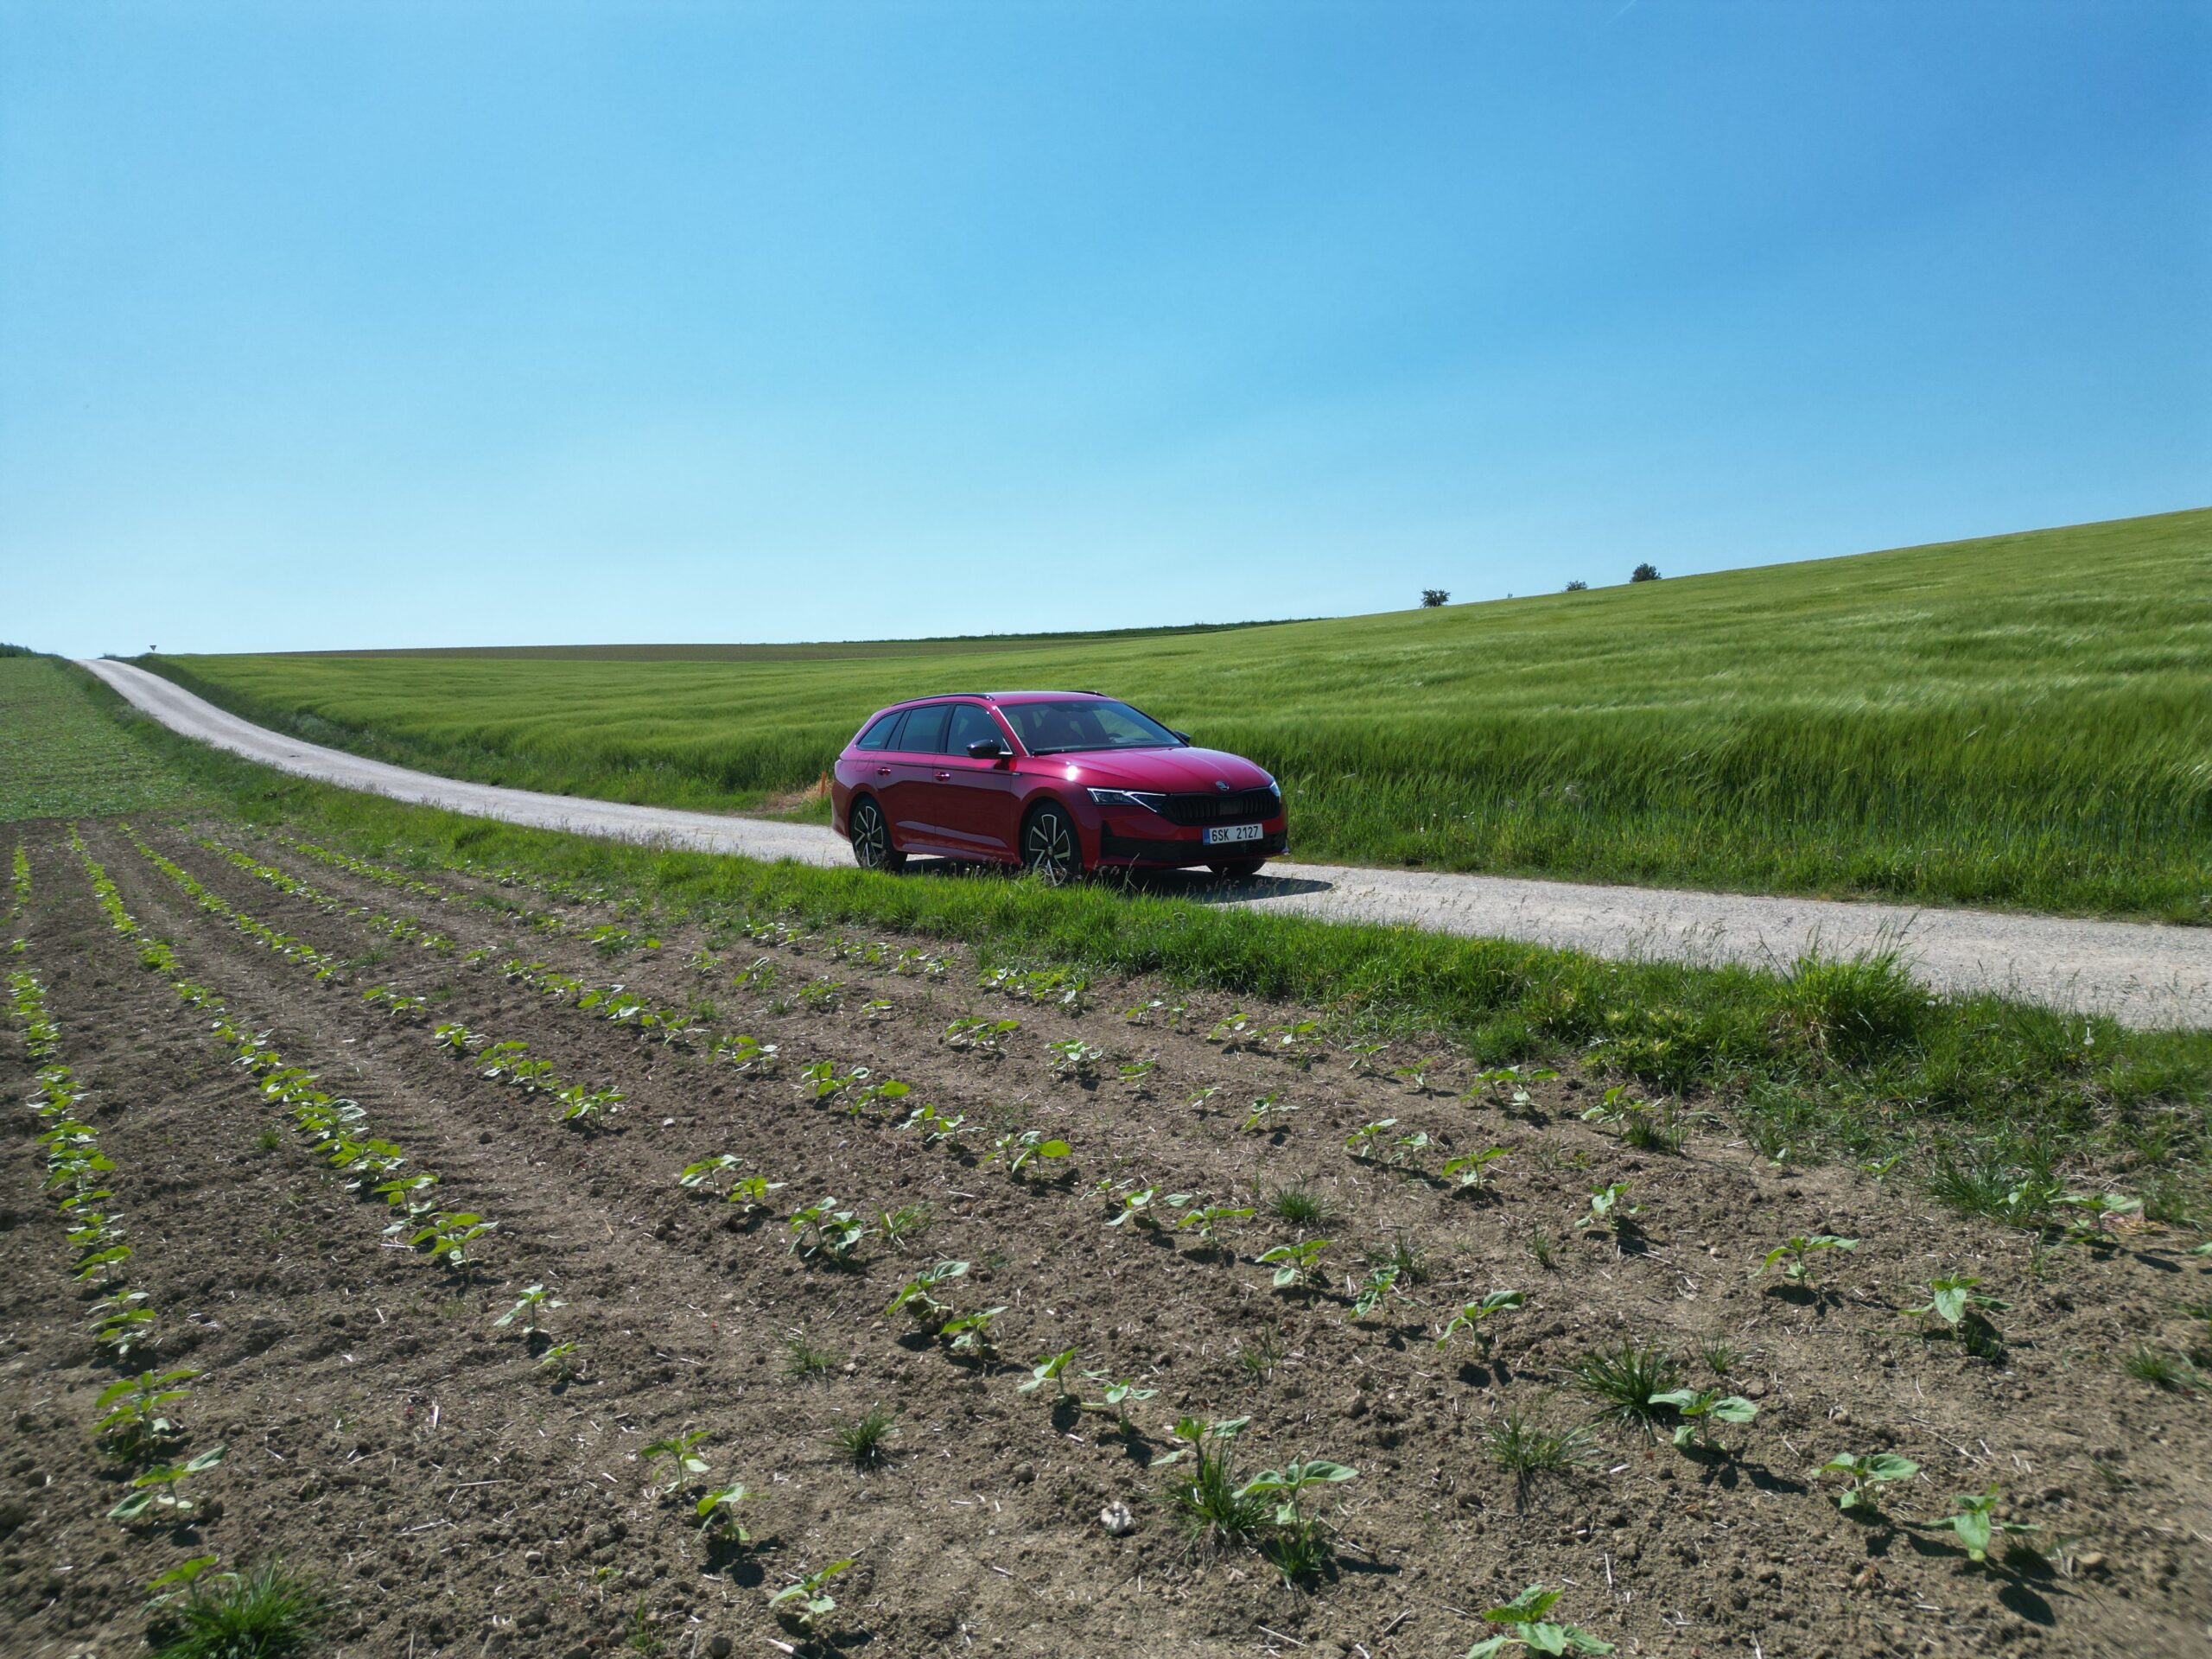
1173	769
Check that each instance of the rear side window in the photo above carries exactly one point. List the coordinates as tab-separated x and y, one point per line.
924	731
972	723
879	735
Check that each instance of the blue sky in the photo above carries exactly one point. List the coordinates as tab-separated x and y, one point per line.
392	324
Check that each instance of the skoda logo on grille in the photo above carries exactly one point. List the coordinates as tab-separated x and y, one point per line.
1220	785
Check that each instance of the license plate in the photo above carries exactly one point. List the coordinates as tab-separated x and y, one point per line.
1225	834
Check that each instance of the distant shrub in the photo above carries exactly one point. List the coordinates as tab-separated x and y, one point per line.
16	651
1644	573
1433	597
1578	586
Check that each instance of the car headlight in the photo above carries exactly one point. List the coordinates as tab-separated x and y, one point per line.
1274	789
1150	800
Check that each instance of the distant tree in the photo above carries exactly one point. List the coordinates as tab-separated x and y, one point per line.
1433	597
1644	573
1578	586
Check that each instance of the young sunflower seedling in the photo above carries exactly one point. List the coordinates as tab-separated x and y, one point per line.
1269	1114
562	1360
1865	1477
1115	1398
1965	1311
1698	1410
1525	1626
579	1106
1796	1254
1134	1070
1415	1074
2098	1219
1300	1544
1138	1207
1207	1219
452	1236
1380	1285
534	1304
682	1453
1472	1171
906	1225
806	1602
1507	1087
161	1487
1974	1521
1366	1143
937	1128
1474	1319
457	1036
1607	1213
1297	1266
137	1410
1019	1150
981	1036
717	1513
971	1333
917	1296
823	1229
1075	1059
1052	1369
746	1054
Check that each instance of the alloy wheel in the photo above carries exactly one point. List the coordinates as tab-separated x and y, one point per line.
1049	847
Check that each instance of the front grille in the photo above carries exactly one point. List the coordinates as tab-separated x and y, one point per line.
1243	806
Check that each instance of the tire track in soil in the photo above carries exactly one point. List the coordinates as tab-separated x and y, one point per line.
1745	1189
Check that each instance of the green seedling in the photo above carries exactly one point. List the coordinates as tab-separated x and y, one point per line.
122	1322
937	1128
1414	1074
1474	1318
916	1294
1366	1143
822	994
579	1105
562	1360
1628	1381
1138	1207
1975	1524
452	1236
717	1513
1052	1369
161	1487
1134	1070
866	1439
1270	1112
1205	1220
981	1036
1019	1150
1506	1087
1699	1409
822	1081
746	1053
1527	1627
2096	1217
137	1410
1607	1213
1865	1477
457	1036
1797	1255
876	1009
1232	1029
1213	1506
1954	1300
1075	1059
177	1581
533	1303
1116	1397
681	1451
971	1333
909	1222
1380	1285
1296	1265
1300	1546
805	1601
1472	1171
823	1230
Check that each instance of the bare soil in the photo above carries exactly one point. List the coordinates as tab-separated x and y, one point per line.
450	1496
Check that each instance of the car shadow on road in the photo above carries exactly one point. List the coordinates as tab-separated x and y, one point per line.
1199	887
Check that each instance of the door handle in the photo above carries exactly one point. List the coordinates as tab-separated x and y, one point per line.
883	771
944	777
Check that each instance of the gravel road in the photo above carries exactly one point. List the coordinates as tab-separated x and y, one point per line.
2142	973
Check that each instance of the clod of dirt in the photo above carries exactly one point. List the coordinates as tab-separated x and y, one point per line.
1117	1519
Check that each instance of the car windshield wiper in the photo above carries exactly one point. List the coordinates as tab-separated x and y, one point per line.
1103	748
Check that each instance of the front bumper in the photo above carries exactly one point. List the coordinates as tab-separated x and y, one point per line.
1116	849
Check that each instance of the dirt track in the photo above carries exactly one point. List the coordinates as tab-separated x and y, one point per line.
2143	973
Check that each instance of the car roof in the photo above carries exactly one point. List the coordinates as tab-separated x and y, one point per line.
994	697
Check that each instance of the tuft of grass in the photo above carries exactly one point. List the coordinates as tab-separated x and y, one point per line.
1262	1353
1540	1247
267	1613
2161	1370
1719	1354
802	1357
866	1439
1622	1381
1399	1252
1519	1441
1302	1203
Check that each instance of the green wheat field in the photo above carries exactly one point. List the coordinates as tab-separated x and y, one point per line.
2022	720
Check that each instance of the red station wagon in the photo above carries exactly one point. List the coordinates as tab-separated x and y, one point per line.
1061	782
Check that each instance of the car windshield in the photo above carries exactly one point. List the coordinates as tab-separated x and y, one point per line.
1092	723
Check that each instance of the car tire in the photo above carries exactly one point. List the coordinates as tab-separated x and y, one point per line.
872	847
1242	870
1050	848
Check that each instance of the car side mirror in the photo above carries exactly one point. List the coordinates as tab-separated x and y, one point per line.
1181	737
988	748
